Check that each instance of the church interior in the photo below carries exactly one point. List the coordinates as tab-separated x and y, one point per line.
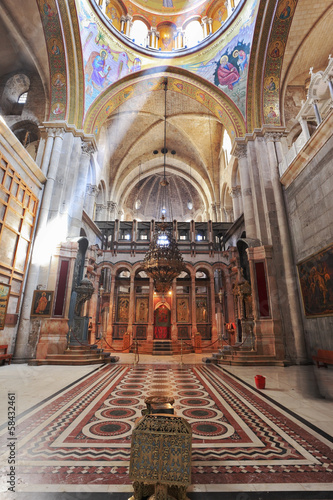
166	232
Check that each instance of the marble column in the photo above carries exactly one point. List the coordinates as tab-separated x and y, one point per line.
122	23
128	20
240	151
330	86
51	132
235	194
80	189
229	7
89	203
204	22
214	214
210	24
305	128
274	148
153	37
229	214
316	111
51	177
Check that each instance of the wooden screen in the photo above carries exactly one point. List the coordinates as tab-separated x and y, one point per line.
18	207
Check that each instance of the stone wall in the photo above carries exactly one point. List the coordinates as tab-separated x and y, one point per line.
309	203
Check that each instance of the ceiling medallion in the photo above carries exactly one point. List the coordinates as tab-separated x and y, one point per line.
163	262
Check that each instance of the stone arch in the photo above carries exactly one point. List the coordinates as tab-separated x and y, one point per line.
179	80
15	86
28	134
226	203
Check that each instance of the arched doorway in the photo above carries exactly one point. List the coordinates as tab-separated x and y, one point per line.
162	321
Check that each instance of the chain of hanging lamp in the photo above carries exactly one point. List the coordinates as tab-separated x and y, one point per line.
163	262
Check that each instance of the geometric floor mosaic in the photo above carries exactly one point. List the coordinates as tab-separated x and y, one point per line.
83	435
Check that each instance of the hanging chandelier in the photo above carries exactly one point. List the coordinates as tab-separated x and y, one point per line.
163	262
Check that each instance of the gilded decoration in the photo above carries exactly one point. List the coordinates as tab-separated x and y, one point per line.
161	455
273	65
53	36
106	60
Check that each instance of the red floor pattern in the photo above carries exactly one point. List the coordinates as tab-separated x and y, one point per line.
83	435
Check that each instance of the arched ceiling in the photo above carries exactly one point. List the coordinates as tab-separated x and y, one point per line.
132	140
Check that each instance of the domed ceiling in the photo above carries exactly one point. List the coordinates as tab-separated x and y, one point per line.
176	11
180	199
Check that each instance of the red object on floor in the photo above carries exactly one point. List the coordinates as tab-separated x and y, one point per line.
260	381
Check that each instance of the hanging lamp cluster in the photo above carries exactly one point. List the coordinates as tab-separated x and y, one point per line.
163	262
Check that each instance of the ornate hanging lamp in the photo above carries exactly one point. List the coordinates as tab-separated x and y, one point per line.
163	262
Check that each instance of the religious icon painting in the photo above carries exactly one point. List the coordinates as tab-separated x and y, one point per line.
4	298
285	9
201	309
141	310
123	309
183	315
271	84
42	303
316	282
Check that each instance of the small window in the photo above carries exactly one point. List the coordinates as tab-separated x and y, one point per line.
227	145
193	33
23	98
139	33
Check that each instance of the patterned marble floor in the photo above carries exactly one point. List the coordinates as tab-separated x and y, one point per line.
243	441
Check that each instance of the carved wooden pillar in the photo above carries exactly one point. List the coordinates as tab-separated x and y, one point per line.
111	309
174	327
212	302
193	306
131	311
150	331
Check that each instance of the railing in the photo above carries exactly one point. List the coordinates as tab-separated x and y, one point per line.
295	148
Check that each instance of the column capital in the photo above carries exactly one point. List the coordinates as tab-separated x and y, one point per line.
59	132
112	205
240	150
235	192
50	131
274	136
87	148
91	189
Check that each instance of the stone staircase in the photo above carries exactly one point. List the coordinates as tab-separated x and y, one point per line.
243	357
77	356
162	348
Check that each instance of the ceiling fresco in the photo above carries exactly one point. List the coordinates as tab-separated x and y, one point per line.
168	6
224	63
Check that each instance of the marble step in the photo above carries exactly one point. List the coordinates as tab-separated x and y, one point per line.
78	362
